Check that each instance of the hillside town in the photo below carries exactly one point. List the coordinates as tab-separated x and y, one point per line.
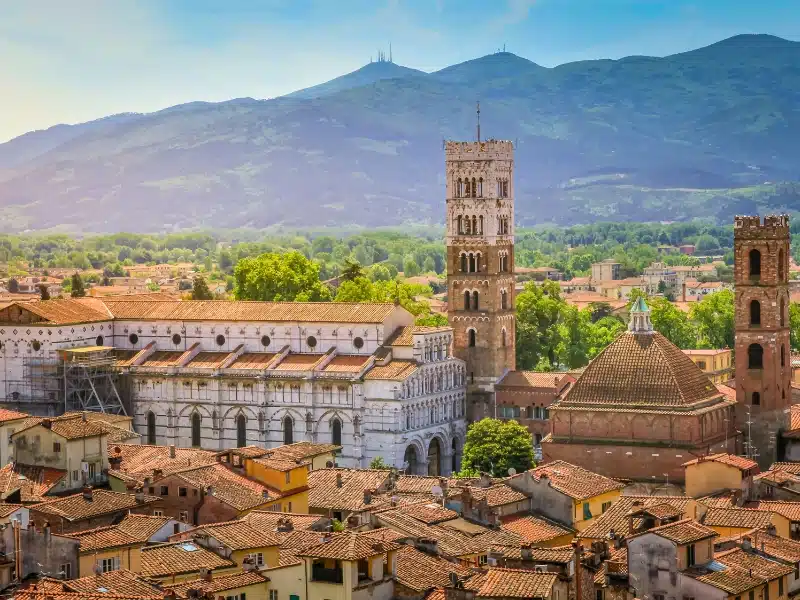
161	447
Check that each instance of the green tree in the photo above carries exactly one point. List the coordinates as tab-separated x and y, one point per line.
359	289
495	446
410	267
602	333
713	317
44	292
432	320
77	291
672	323
13	286
380	273
539	313
378	463
794	326
351	271
279	277
200	290
428	265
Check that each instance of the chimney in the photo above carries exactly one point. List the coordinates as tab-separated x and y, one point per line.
249	564
139	495
526	551
352	521
114	461
285	524
172	450
46	531
338	480
747	543
205	574
83	416
47	423
427	545
485	481
87	493
169	595
683	293
157	473
367	496
265	494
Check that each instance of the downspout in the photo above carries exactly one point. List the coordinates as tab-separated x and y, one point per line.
306	570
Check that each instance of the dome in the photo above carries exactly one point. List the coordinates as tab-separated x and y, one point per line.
641	369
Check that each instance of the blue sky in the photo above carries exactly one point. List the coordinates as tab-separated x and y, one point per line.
67	62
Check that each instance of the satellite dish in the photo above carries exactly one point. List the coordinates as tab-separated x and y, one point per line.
329	464
512	471
436	491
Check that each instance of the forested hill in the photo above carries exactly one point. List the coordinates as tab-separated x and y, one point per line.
707	133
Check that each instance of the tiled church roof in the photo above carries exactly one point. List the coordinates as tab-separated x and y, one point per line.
641	369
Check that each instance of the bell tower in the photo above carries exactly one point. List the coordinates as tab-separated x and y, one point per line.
480	263
763	364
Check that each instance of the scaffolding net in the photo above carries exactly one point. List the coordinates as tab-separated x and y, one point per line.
89	380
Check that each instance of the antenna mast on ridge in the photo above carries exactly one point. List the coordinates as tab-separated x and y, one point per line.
479	120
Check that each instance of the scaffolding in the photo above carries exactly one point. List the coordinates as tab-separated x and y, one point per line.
89	380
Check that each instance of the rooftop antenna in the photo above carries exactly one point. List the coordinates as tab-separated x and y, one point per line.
479	120
390	51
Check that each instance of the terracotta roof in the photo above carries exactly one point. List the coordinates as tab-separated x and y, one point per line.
419	571
302	450
641	369
746	518
402	336
267	521
616	564
179	557
325	494
727	391
512	583
415	484
70	427
428	512
559	555
574	481
616	517
208	360
533	529
220	583
686	531
139	461
345	363
279	464
759	566
394	370
298	362
229	487
239	535
33	482
436	594
790	467
220	310
132	530
11	415
738	462
77	508
349	546
256	361
497	495
7	509
531	379
64	595
62	311
780	478
665	510
780	547
450	543
122	582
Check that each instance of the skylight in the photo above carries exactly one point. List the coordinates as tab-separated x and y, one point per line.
188	547
102	589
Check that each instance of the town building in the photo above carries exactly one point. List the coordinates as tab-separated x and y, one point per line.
717	363
606	270
480	264
716	473
640	409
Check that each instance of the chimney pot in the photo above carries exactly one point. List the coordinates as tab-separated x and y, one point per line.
338	480
87	493
172	451
367	496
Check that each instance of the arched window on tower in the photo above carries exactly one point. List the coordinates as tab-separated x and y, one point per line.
467	190
756	398
503	336
196	429
474	188
475	305
755	356
755	312
336	432
466	300
503	300
480	187
780	265
471	263
480	224
783	355
288	430
458	188
460	222
151	428
463	263
477	262
466	226
474	225
471	338
241	431
783	312
755	263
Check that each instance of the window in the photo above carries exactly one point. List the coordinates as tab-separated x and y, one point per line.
151	428
587	511
273	595
151	491
466	300
358	343
288	425
755	263
241	431
75	476
503	300
182	492
176	528
755	312
164	490
196	430
65	570
658	596
471	338
463	263
780	265
99	340
288	477
797	571
158	513
598	595
690	555
752	595
755	356
475	305
783	312
780	586
701	364
184	516
605	506
176	339
257	558
336	432
537	439
756	398
483	559
56	446
109	564
783	355
220	340
265	340
133	339
311	341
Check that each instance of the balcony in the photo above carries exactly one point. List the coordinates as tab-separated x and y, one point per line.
320	574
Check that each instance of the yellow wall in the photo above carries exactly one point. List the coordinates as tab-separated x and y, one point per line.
707	477
277	479
129	558
288	581
294	503
717	362
7	449
270	555
331	591
595	505
320	462
780	522
194	575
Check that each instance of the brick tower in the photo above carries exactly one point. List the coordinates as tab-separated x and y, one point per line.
480	263
763	365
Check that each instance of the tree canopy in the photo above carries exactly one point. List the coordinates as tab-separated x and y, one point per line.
279	277
494	446
78	291
200	290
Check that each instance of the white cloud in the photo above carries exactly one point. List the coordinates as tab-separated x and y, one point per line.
516	12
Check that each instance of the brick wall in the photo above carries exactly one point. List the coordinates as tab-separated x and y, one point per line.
172	503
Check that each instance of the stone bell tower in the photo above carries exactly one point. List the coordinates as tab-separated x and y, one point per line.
763	364
480	263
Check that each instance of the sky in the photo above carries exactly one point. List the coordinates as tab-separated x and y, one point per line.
78	60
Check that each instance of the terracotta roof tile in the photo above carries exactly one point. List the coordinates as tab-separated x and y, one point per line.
62	311
531	379
77	508
346	364
428	512
208	360
349	546
686	531
759	566
220	583
737	517
415	484
121	582
419	571
450	543
790	467
267	521
395	370
325	494
255	361
239	535
402	336
574	481
33	482
138	460
219	310
533	529
513	583
179	557
298	362
738	462
732	581
558	555
131	531
11	415
497	495
616	517
70	427
8	509
302	450
779	547
639	369
229	487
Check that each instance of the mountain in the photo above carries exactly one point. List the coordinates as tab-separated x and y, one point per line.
370	73
703	134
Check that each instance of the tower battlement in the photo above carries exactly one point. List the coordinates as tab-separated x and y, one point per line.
751	227
485	150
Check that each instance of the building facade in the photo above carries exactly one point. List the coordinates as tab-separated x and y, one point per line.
480	263
763	362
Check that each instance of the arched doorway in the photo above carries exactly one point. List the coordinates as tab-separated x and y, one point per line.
434	458
196	430
151	428
288	430
241	431
454	457
336	432
410	459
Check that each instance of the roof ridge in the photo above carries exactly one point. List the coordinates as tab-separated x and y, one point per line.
657	336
